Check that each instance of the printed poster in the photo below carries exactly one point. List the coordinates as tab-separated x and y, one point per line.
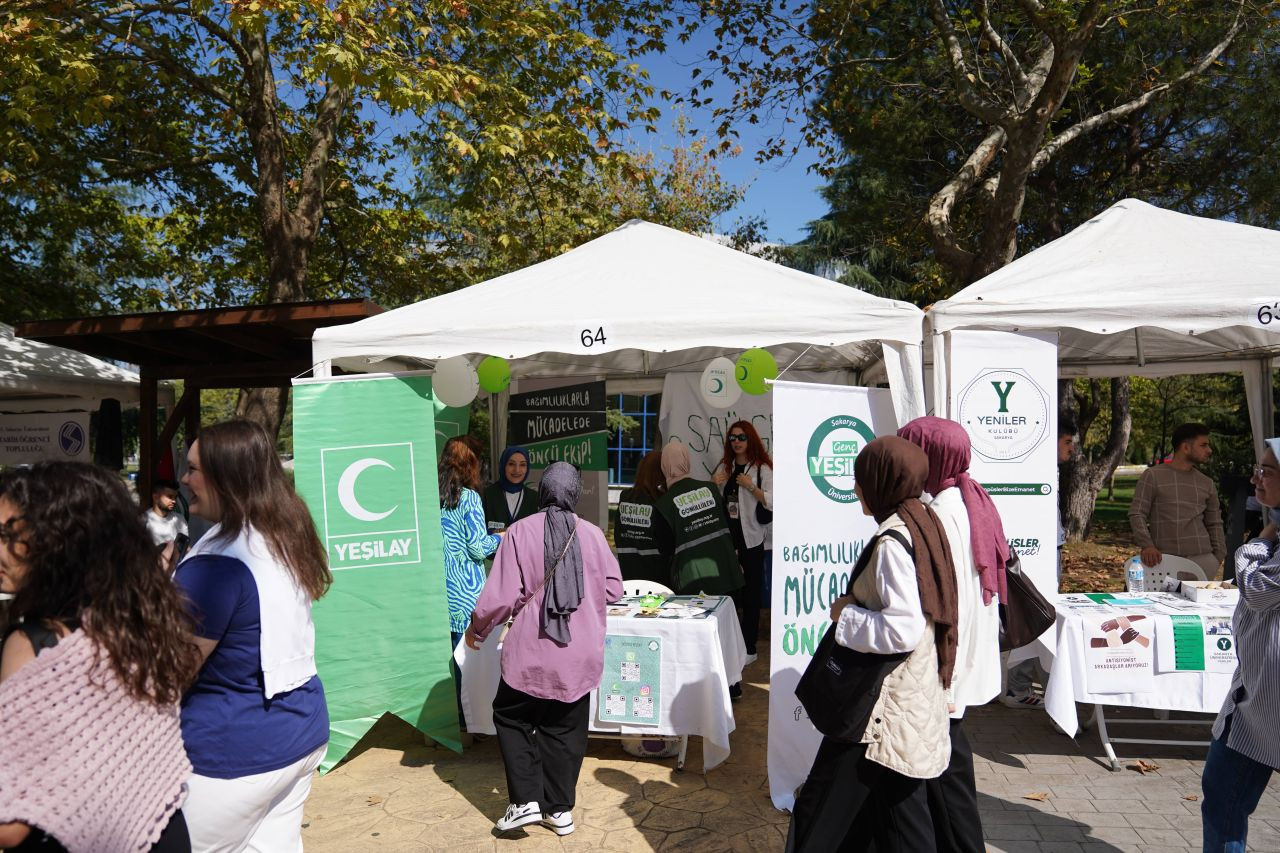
1119	657
365	463
631	687
27	439
819	530
1195	643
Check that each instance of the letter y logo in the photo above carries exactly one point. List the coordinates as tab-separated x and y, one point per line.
1003	395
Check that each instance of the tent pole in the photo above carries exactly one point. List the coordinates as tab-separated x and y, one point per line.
1137	342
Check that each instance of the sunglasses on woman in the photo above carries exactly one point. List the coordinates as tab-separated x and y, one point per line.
737	436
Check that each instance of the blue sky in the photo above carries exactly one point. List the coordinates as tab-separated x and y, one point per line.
784	193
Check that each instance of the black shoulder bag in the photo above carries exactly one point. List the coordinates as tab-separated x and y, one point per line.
840	687
1027	614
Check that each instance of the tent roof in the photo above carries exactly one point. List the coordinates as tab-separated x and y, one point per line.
40	377
665	300
1192	287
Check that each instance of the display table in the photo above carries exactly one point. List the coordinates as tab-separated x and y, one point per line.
1102	646
700	657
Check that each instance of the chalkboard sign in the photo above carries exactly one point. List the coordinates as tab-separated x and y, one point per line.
588	397
528	427
566	424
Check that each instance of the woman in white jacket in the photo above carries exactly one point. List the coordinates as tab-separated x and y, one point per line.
980	550
903	601
745	476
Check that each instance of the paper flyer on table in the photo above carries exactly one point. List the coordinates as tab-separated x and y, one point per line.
1195	643
631	687
1118	653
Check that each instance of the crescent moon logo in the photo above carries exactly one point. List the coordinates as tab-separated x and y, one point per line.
742	373
719	385
347	490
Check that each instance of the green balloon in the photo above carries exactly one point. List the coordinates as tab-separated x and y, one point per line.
494	374
753	367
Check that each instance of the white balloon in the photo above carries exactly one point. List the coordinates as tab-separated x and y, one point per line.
455	382
719	387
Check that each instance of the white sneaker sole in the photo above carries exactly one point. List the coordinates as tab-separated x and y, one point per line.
559	829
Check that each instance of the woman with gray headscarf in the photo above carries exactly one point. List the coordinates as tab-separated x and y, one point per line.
692	530
552	577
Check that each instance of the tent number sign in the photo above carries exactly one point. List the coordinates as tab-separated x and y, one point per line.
1268	313
592	334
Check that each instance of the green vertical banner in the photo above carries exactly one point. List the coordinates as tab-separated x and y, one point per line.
365	463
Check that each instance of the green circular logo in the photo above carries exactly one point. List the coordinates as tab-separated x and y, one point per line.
1224	643
833	447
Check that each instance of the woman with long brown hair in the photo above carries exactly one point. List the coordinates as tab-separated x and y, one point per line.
638	552
255	722
92	757
467	540
745	476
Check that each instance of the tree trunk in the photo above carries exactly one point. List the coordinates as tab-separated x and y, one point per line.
1081	478
288	233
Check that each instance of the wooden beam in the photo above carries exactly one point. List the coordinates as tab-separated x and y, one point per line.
179	413
192	425
147	407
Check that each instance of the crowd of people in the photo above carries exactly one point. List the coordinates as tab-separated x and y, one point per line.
174	689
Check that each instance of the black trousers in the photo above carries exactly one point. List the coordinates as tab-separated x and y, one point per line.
542	743
749	597
849	803
953	800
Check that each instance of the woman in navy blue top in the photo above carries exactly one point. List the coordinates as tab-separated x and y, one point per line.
255	722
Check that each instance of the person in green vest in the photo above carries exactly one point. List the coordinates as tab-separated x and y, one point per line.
508	500
637	548
692	530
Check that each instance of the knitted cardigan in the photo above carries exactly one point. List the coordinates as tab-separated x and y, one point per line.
82	759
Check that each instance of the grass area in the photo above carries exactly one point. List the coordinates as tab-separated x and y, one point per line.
1097	565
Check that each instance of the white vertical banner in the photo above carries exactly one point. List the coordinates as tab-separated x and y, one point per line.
819	531
1003	388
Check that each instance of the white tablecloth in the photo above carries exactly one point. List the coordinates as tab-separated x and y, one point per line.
701	657
1173	691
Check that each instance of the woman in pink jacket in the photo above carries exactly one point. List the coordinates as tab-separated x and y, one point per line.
553	576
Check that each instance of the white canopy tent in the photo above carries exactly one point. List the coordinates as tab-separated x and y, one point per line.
1137	291
642	301
36	377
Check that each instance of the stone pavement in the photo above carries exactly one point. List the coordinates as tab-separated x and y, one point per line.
397	794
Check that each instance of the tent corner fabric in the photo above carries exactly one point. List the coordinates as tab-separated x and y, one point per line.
641	300
39	377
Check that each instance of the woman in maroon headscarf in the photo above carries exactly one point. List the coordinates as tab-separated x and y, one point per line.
977	542
903	601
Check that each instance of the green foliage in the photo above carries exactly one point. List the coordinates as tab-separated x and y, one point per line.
190	153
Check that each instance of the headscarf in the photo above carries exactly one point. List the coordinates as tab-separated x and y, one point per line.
1273	444
558	494
891	473
507	485
675	462
947	446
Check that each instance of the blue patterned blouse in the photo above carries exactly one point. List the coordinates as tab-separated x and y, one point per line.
466	544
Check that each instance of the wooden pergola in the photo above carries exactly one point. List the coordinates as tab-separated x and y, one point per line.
256	346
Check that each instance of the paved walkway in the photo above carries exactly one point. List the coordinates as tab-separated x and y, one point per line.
397	794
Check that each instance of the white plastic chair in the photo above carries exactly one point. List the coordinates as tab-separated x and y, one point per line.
1171	566
638	588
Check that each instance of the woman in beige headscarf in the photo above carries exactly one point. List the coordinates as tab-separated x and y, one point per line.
692	529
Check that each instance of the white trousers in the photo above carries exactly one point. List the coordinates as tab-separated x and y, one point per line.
261	813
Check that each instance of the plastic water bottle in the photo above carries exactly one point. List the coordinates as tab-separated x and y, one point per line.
1135	576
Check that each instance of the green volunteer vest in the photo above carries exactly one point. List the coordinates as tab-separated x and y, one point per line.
705	560
638	553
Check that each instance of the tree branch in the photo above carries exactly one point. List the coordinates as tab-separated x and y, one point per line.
981	108
1041	21
165	59
939	216
1106	117
1016	75
144	169
323	134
